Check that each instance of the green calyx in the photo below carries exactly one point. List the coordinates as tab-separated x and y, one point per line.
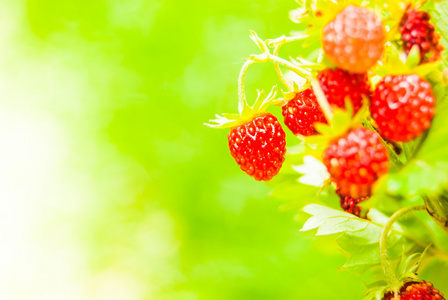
396	63
246	112
341	122
406	270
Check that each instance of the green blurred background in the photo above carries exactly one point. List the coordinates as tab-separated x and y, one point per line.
111	186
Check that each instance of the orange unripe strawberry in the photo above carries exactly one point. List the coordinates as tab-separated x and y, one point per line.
354	40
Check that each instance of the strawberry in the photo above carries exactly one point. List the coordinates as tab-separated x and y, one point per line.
354	40
416	290
350	205
302	112
338	84
416	29
402	106
355	161
258	146
256	139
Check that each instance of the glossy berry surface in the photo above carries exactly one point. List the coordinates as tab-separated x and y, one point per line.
402	106
416	29
258	146
416	291
355	161
354	40
337	84
302	112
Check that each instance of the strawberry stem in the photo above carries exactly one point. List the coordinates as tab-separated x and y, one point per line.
385	263
277	43
267	56
242	102
280	75
287	64
322	100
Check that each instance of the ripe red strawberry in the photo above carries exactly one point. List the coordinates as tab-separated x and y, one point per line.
416	290
302	112
402	106
338	84
350	205
416	29
258	146
354	40
355	161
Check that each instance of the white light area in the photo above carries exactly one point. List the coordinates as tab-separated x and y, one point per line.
315	172
293	77
29	154
59	173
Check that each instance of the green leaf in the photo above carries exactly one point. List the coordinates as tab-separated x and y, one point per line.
314	222
438	17
333	225
358	237
331	221
369	235
375	291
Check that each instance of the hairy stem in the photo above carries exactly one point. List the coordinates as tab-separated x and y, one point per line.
278	43
289	65
387	268
241	92
280	75
322	100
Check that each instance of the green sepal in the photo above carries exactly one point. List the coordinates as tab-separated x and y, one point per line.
396	63
247	113
342	121
406	270
409	266
289	95
437	207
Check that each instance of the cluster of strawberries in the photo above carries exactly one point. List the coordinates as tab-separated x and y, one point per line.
401	105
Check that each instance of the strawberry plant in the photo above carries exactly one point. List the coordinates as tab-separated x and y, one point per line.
369	111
